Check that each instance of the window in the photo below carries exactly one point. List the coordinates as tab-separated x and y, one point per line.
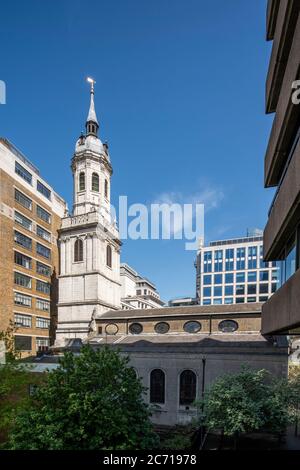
23	200
263	288
217	301
162	327
22	280
43	214
43	190
228	300
229	256
206	302
22	220
264	275
206	292
21	299
207	261
240	300
157	386
207	279
228	290
218	291
274	287
78	250
135	328
218	278
192	327
251	289
42	343
41	232
43	305
81	181
43	269
95	182
43	286
252	257
106	189
252	276
23	343
218	260
251	299
188	383
240	259
262	263
42	322
23	260
228	326
275	275
21	171
240	277
229	278
22	240
240	289
108	256
23	321
43	251
263	298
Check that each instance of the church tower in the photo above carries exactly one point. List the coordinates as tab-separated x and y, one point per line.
89	280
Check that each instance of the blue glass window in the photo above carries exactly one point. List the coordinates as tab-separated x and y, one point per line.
263	288
240	259
240	289
21	171
206	292
228	300
252	276
207	262
218	278
218	260
240	277
229	278
218	291
207	279
206	302
228	290
262	263
229	257
43	189
251	299
251	289
264	275
240	300
217	301
252	257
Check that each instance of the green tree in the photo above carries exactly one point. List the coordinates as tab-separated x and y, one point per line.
91	401
246	402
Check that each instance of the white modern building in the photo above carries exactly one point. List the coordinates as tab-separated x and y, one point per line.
233	271
137	291
89	281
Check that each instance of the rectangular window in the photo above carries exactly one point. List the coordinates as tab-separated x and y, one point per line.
275	275
43	305
42	343
43	189
229	257
207	261
23	343
207	302
240	300
218	260
43	269
262	263
274	287
207	279
23	321
240	259
23	200
22	220
206	292
228	290
251	299
43	251
240	277
218	291
41	232
218	278
21	299
23	260
228	300
21	171
263	298
42	214
263	288
22	240
22	280
252	257
252	276
42	322
217	301
229	278
240	289
264	275
251	289
43	286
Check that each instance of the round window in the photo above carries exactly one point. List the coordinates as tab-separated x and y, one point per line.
228	326
162	327
192	327
135	328
111	329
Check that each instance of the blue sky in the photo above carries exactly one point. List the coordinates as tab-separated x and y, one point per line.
180	99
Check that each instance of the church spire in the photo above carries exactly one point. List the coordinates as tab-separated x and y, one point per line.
92	124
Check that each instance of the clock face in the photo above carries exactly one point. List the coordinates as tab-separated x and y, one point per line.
111	329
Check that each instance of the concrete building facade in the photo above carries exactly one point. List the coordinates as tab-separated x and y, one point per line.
282	166
30	217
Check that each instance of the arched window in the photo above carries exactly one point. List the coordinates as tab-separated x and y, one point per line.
78	250
108	256
81	181
157	386
188	381
106	188
95	182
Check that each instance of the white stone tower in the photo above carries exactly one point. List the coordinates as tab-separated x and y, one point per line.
89	280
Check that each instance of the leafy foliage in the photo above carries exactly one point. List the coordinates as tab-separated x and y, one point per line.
91	401
9	340
246	402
